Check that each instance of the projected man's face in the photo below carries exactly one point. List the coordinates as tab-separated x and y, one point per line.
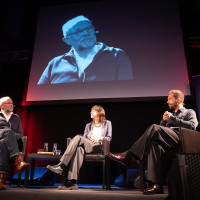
82	36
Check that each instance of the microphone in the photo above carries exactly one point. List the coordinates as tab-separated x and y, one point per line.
96	32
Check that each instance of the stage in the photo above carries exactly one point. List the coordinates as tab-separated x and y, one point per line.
83	193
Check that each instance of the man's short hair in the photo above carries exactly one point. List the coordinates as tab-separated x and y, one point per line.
69	24
3	99
177	94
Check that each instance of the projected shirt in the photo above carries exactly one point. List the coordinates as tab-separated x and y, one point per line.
108	64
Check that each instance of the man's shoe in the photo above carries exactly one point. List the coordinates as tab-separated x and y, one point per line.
21	165
120	158
154	189
56	168
2	181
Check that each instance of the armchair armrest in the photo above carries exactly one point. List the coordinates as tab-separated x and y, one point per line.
105	146
189	141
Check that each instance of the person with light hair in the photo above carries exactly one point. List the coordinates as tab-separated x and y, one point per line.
158	140
10	133
87	60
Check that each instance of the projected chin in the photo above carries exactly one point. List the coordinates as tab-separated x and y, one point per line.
87	43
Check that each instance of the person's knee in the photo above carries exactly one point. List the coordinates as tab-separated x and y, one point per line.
154	128
77	138
155	125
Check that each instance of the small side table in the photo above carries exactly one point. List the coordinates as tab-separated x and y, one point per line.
31	158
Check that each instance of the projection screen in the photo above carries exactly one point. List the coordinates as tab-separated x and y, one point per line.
138	52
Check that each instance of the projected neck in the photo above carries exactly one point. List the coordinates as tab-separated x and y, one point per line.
83	53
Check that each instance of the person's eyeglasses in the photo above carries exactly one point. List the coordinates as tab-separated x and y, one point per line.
9	104
78	33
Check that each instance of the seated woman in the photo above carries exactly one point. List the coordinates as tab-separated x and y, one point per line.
90	142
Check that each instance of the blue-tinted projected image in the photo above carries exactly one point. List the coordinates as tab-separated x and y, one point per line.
87	60
139	48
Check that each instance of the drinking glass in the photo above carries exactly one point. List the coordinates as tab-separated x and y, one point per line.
46	147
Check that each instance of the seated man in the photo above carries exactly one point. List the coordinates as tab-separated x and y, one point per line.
10	132
158	140
90	142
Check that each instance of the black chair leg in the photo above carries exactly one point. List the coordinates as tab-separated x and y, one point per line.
11	173
108	185
19	179
26	177
104	175
125	172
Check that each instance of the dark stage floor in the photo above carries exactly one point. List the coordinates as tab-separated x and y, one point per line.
83	193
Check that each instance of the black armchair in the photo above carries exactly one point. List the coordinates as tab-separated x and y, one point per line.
189	144
99	157
185	167
189	141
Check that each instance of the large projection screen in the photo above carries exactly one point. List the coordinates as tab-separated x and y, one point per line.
149	32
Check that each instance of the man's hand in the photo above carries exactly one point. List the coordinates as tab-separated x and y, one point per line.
167	116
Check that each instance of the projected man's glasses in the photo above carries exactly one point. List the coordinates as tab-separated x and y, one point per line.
78	33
